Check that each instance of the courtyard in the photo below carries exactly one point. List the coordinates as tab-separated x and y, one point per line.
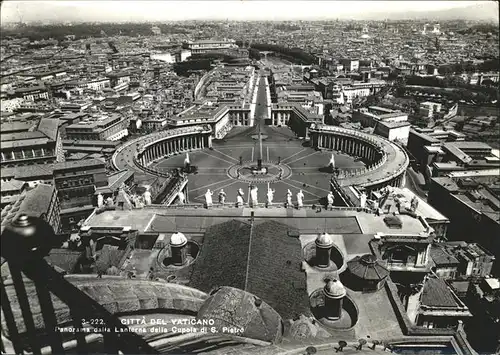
305	167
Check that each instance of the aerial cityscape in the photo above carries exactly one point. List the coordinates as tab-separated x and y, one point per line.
250	177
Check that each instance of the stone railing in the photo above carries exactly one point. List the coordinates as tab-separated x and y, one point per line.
378	143
277	205
156	136
150	170
368	138
176	132
174	190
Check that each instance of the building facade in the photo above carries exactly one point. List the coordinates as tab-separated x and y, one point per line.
112	127
28	143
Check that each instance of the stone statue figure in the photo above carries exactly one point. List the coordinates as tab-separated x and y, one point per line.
222	196
289	202
253	196
300	199
100	200
147	197
137	202
362	200
110	202
208	197
330	199
270	196
239	201
241	192
182	198
414	203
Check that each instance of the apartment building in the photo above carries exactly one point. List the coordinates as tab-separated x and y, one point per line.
99	127
30	142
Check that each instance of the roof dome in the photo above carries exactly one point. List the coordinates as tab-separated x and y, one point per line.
367	267
324	241
232	307
178	239
335	289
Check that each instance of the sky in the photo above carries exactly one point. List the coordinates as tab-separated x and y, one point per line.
118	11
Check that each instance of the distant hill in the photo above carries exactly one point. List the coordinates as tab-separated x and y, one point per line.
480	12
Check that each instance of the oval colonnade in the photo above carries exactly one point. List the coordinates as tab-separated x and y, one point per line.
386	161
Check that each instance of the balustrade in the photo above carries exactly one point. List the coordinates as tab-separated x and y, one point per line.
25	243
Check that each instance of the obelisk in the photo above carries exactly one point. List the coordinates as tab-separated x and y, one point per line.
259	160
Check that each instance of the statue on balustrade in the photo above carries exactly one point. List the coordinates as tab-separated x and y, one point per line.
137	202
110	202
182	198
330	199
239	201
222	196
289	195
414	203
300	199
147	197
270	196
100	200
208	198
241	192
253	196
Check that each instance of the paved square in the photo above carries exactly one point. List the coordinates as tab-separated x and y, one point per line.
279	145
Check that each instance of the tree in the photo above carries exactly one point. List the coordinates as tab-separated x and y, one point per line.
375	343
342	345
311	350
361	342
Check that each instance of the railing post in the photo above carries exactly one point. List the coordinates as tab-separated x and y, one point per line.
25	243
15	339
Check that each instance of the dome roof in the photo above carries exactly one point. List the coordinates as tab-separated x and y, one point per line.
178	239
232	307
324	240
335	289
367	267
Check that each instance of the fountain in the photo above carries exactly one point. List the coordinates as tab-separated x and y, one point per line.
258	171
